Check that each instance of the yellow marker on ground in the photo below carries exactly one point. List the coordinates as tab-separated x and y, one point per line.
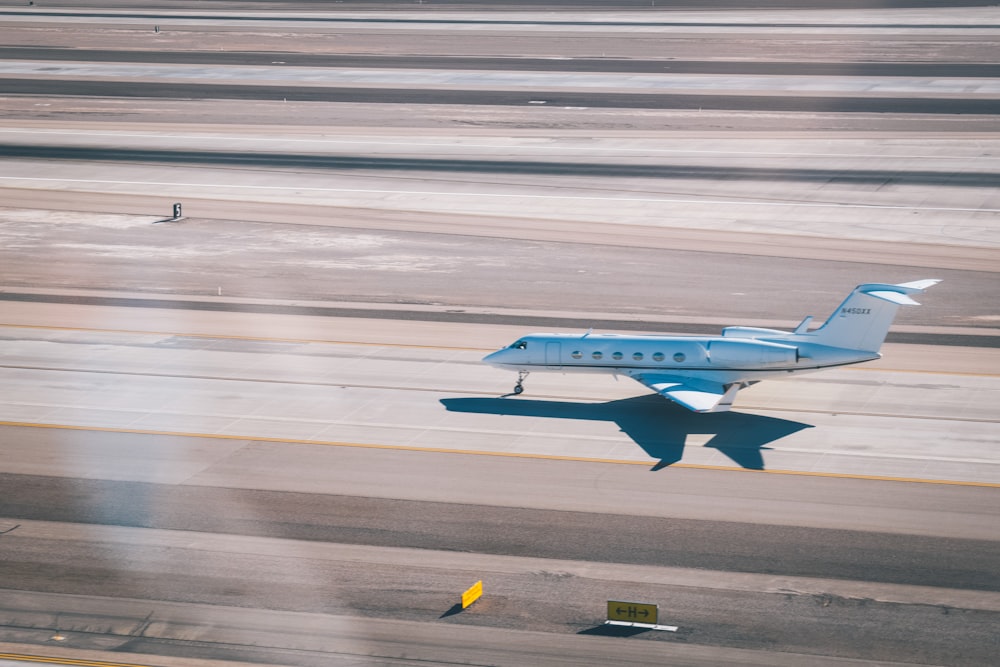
633	612
473	594
636	615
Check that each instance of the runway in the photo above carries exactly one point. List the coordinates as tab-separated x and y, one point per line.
251	429
261	433
631	65
441	398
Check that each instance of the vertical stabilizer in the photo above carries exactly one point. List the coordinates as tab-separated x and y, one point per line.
863	319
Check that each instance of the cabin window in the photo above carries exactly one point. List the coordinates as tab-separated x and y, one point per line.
637	356
617	355
577	354
658	356
597	355
520	345
679	357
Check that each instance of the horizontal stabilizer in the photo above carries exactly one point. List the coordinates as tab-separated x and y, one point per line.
895	297
920	285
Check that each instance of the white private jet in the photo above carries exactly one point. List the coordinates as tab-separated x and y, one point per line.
704	373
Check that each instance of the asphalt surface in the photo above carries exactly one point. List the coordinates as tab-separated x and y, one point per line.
526	64
713	545
146	6
163	508
366	558
842	104
397	314
621	169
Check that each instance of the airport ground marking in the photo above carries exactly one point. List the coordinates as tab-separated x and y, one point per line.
259	339
312	141
305	383
512	455
472	594
22	657
454	348
522	196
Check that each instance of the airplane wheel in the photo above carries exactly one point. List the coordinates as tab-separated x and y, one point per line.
518	389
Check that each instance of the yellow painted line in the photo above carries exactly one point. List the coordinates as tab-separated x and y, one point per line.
20	657
513	455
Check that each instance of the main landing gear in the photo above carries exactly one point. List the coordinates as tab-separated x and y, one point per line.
519	387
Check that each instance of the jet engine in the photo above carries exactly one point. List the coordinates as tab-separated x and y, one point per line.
743	353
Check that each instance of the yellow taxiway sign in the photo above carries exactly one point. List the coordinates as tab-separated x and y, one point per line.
473	594
632	612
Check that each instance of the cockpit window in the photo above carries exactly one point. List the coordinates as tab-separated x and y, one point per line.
520	345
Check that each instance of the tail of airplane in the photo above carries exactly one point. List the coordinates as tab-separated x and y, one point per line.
863	319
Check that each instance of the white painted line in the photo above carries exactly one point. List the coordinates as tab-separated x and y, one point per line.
546	147
481	195
648	626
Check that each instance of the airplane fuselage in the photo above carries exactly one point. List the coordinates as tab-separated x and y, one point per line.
705	373
725	359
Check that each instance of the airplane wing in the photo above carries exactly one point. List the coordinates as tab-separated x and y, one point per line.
696	395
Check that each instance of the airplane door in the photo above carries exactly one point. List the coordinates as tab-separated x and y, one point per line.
553	355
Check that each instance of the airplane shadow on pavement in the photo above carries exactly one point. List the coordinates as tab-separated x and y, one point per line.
658	426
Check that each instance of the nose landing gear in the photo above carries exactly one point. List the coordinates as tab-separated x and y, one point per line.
519	386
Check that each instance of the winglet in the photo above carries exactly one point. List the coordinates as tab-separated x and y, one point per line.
920	285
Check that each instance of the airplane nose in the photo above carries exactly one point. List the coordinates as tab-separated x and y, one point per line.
493	358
